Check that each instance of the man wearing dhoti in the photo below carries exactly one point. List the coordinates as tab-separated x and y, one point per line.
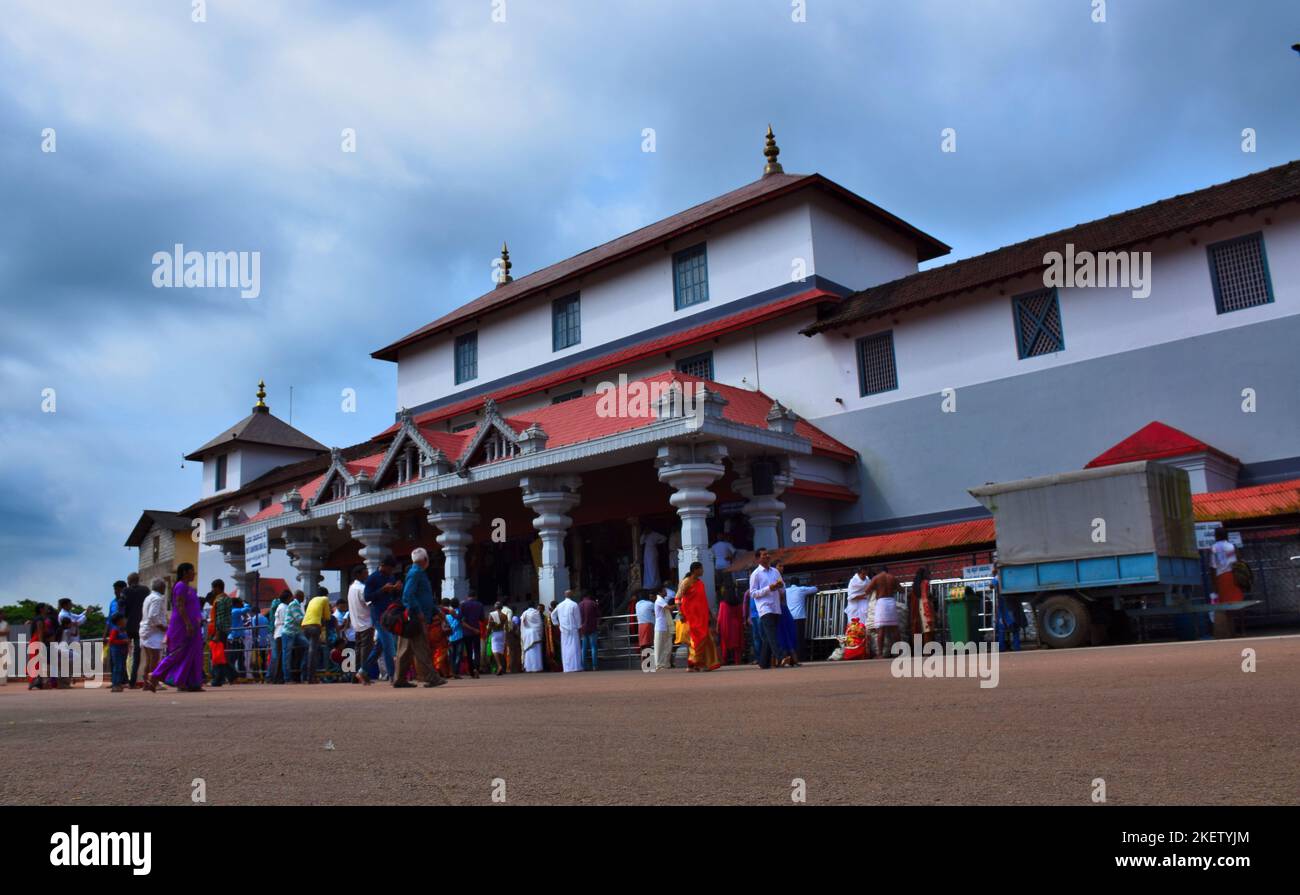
569	617
531	631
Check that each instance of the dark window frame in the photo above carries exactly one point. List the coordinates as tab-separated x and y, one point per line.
566	321
1216	285
1025	343
567	396
699	286
465	369
860	349
219	473
705	356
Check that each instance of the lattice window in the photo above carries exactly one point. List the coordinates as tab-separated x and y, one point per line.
466	357
700	365
1038	323
1239	272
877	369
566	322
690	277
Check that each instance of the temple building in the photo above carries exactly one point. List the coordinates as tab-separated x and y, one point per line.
773	364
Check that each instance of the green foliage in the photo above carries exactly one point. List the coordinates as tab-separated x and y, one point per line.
20	616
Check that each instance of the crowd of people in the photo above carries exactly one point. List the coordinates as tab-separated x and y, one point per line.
389	627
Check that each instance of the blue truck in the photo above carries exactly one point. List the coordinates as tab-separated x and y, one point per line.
1094	549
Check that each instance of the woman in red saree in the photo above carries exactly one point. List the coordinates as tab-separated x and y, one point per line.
920	610
731	627
693	601
439	645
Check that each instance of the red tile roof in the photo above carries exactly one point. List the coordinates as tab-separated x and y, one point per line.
1254	192
629	354
823	490
1154	441
692	219
1255	502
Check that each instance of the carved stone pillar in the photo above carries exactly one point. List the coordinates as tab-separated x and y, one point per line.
690	469
551	497
308	549
233	554
453	517
376	533
764	510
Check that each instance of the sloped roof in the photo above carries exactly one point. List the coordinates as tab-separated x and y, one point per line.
162	518
758	192
1255	502
260	427
1254	192
1154	441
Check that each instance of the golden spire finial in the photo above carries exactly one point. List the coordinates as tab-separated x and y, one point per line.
504	266
261	396
771	151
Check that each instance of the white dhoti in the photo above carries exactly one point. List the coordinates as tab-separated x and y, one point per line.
569	617
530	635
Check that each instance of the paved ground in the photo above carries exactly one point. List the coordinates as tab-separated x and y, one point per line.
1167	723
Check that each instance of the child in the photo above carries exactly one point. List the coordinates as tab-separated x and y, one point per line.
118	644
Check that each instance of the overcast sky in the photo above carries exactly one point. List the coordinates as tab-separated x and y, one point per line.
225	135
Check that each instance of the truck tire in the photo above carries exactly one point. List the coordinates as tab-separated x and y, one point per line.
1063	622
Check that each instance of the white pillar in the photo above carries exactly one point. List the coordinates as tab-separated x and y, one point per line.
308	550
551	497
690	469
453	517
763	510
233	553
376	533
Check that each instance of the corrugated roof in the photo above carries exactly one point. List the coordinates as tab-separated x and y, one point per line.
1168	216
750	195
1255	502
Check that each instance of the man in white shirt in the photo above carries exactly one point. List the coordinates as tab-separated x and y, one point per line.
278	616
765	590
797	597
664	629
569	619
363	627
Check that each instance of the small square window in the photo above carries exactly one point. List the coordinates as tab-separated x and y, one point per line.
1038	323
877	370
466	357
566	322
698	365
690	277
1239	273
264	503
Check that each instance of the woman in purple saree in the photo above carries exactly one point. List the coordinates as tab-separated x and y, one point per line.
183	665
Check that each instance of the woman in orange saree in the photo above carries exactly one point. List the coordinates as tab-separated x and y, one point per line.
694	603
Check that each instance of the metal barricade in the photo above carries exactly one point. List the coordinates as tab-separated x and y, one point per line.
617	641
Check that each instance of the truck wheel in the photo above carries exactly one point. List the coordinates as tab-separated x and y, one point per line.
1063	622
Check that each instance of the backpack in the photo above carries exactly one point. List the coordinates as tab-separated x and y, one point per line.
1243	575
394	619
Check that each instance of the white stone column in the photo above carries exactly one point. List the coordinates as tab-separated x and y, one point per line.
453	517
308	550
763	510
376	533
690	469
551	497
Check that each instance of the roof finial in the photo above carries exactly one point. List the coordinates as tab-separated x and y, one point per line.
261	406
771	151
504	266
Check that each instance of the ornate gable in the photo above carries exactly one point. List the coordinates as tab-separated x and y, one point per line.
410	456
496	440
339	482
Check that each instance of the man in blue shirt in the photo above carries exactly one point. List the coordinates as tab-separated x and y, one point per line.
382	588
421	611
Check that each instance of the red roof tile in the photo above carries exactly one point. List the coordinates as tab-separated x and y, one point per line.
629	354
1154	441
822	490
759	192
1255	502
1254	192
938	539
